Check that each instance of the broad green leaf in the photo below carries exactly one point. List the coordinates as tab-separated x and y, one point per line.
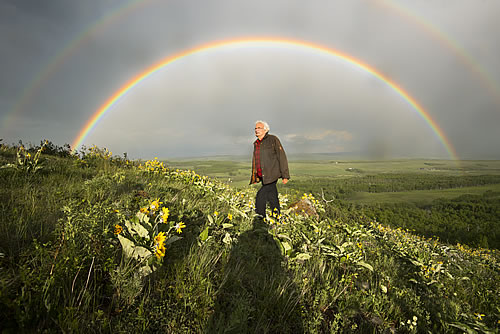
226	225
172	239
210	219
241	213
303	256
133	251
327	248
286	247
144	271
284	236
137	228
305	238
463	327
383	288
280	245
127	245
227	239
365	265
204	234
415	262
347	243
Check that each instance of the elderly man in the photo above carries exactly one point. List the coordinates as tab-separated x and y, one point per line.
269	163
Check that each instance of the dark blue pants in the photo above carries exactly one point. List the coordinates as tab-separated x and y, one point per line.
267	193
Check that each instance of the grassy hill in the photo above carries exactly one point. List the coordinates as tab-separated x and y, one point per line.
96	243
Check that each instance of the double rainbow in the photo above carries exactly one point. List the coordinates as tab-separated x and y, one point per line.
259	43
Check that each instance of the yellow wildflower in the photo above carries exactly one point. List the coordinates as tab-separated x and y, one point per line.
164	214
144	210
160	245
118	229
216	213
179	227
229	216
155	205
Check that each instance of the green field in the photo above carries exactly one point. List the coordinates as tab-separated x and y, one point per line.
421	196
427	196
96	243
237	173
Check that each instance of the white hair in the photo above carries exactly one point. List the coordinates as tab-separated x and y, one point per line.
266	126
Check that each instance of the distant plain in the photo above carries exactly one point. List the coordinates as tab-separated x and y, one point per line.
236	172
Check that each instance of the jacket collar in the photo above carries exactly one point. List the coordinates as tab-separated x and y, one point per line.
265	136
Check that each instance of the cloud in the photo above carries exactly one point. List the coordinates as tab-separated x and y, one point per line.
208	102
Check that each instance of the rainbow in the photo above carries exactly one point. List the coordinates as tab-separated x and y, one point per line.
130	6
259	43
486	79
67	52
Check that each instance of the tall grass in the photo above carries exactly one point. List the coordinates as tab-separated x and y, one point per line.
63	267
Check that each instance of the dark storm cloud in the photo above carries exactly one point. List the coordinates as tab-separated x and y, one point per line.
300	94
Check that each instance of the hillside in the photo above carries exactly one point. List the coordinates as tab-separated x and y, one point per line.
96	243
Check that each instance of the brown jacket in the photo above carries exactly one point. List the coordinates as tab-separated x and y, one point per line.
273	161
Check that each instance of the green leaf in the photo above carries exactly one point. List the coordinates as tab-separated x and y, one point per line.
284	236
347	243
280	245
365	265
415	262
383	288
303	256
204	234
463	327
227	239
132	250
172	239
210	219
137	228
286	247
226	225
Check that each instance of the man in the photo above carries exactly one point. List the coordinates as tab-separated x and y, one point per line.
269	163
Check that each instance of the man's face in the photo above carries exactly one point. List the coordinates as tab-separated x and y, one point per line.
259	130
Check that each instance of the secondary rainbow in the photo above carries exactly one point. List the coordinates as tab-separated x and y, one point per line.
130	6
259	42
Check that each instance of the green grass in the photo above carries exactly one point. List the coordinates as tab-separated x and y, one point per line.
63	268
237	172
420	196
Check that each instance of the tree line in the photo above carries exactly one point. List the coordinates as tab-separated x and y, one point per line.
467	219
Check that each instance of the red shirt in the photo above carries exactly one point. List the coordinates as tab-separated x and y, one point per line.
257	158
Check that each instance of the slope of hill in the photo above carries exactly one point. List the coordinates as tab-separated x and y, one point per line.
98	244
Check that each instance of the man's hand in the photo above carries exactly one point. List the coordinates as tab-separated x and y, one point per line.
285	181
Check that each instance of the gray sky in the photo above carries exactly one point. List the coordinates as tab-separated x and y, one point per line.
443	53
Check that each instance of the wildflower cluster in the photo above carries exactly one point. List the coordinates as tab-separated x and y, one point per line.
481	253
148	232
154	166
411	324
26	161
425	254
100	153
